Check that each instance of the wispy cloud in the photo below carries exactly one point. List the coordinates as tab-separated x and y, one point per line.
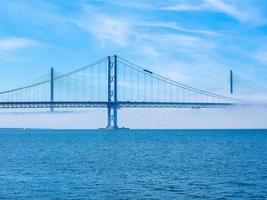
177	27
261	56
180	43
243	11
187	7
9	44
106	28
240	10
10	48
139	34
149	51
133	4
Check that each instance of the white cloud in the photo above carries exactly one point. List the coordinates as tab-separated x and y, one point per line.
106	29
179	43
186	7
150	51
177	27
261	56
244	11
35	12
133	4
233	10
10	44
123	31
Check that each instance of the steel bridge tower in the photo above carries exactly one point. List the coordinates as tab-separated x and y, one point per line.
52	89
112	93
231	82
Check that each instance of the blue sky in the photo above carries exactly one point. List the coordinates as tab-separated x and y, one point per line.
195	42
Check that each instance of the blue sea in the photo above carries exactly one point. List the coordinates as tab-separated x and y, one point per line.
133	164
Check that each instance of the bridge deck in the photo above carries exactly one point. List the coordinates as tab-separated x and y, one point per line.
104	104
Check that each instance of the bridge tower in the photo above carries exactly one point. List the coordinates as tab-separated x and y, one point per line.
112	93
231	82
51	89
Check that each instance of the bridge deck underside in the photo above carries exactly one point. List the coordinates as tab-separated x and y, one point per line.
104	104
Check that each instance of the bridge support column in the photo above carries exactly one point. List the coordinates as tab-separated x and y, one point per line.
52	89
112	93
231	82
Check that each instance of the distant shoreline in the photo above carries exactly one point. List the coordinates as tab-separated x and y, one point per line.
128	129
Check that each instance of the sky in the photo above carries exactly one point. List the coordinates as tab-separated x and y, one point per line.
195	42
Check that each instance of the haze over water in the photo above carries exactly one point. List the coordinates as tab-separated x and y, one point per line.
133	164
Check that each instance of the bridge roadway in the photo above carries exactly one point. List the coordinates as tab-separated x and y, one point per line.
104	104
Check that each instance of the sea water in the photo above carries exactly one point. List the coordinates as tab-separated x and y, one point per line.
133	164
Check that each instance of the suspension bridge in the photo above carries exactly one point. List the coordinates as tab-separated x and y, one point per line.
112	83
